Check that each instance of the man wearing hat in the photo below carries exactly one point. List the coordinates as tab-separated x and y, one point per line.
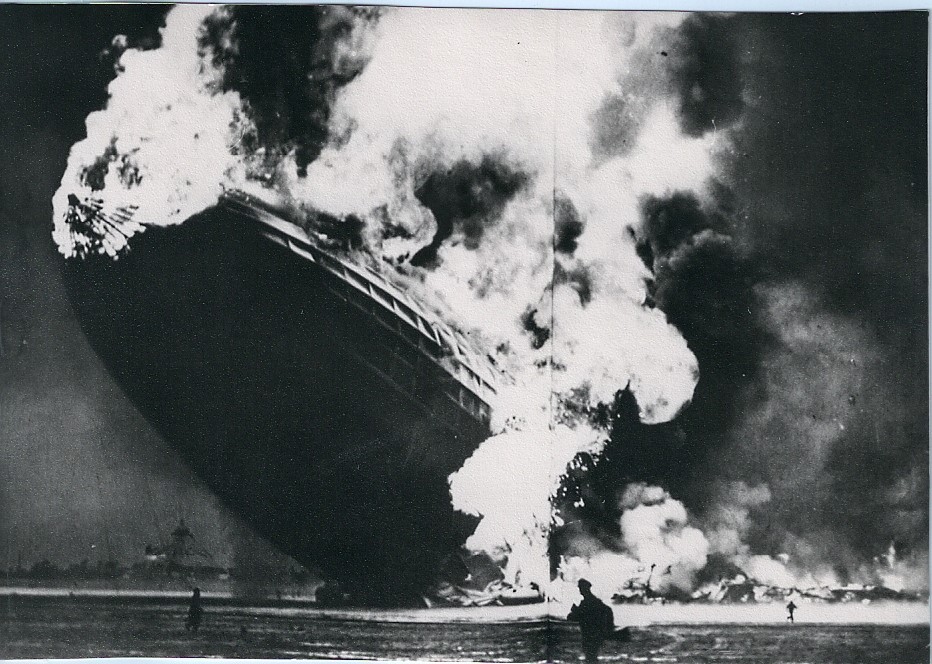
595	619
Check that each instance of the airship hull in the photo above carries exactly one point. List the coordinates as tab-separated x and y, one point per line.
301	406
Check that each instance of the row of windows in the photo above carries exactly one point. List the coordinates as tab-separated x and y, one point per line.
414	327
478	408
412	375
441	336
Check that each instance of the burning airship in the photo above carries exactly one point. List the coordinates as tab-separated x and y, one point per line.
313	396
331	409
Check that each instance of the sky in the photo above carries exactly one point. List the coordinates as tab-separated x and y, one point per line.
83	475
797	278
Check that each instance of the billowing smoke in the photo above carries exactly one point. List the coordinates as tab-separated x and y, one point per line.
707	74
801	455
287	64
564	189
853	249
160	107
464	201
655	549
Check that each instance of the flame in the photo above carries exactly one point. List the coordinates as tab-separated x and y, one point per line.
164	144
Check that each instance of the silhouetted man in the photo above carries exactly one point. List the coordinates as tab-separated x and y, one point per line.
195	612
790	608
595	620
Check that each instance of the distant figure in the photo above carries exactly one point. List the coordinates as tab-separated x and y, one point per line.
790	608
195	612
595	619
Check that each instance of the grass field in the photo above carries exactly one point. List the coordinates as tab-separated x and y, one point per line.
63	626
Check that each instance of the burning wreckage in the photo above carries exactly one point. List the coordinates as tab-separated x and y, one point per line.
742	588
328	415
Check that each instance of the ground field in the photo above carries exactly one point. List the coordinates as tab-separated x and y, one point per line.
40	627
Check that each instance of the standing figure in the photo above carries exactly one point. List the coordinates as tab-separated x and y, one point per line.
790	608
195	612
595	619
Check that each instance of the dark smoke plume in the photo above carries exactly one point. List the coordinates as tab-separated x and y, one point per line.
836	194
707	74
801	289
706	289
288	64
466	199
699	66
568	225
539	334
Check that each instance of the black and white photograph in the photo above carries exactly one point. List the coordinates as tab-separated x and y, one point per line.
482	335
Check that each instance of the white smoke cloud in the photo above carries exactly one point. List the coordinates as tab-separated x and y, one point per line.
658	549
485	485
655	529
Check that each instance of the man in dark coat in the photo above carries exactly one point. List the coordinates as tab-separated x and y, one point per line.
195	612
595	619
